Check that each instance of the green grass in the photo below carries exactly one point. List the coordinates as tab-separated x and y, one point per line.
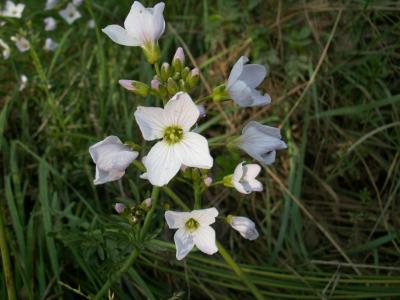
328	218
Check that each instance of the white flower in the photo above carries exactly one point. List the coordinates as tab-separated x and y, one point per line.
50	4
244	178
143	26
243	81
244	226
77	2
22	43
70	14
50	45
6	49
111	158
193	229
50	24
179	146
261	142
91	24
13	10
23	82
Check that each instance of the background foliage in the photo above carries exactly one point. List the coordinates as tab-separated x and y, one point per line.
329	215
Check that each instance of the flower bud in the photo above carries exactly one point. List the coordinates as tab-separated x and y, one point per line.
208	181
155	85
147	203
183	86
220	93
119	207
151	52
179	60
193	78
136	87
185	72
244	226
165	71
227	180
172	87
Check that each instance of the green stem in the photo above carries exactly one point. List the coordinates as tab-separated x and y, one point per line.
157	68
235	267
174	197
201	100
5	256
149	216
136	251
196	189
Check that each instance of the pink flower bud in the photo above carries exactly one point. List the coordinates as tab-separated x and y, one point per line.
179	54
147	202
195	72
119	207
127	84
208	180
155	84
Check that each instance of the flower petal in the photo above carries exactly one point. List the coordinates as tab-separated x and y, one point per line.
237	70
107	176
204	216
194	152
253	75
162	163
96	149
251	171
176	219
120	36
258	99
181	110
204	239
183	243
151	121
241	93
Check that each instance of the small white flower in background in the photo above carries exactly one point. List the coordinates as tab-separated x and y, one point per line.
208	181
261	142
193	229
147	202
50	4
22	43
50	45
179	146
119	207
6	49
23	82
13	10
50	24
77	2
70	14
91	24
111	158
244	178
243	81
244	226
143	26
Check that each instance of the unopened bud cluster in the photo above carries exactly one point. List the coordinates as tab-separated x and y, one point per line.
133	214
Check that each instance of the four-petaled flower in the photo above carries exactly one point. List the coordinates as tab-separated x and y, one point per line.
70	14
244	226
22	43
193	229
111	158
242	83
261	142
179	146
143	26
13	10
244	178
49	24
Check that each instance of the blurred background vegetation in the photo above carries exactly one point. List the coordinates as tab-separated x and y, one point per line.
329	216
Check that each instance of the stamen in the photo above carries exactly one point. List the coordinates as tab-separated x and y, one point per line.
173	134
192	224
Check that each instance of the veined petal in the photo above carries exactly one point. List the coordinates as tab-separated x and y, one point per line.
204	216
107	176
162	163
158	20
176	219
115	160
251	171
240	93
97	149
151	121
273	131
120	36
181	110
253	75
256	186
258	99
237	70
204	239
183	243
194	152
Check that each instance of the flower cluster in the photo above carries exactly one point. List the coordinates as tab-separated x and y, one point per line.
177	146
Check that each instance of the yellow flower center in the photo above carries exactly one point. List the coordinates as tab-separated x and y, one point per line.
192	224
173	134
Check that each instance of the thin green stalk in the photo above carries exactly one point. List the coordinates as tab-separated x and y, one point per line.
196	189
5	256
174	197
203	99
235	267
147	221
157	68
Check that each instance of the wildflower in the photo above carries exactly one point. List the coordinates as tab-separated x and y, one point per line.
193	229
137	87
179	145
70	14
143	27
6	49
244	178
23	82
261	142
50	45
111	158
179	60
49	24
244	226
50	4
22	43
119	207
243	81
13	10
